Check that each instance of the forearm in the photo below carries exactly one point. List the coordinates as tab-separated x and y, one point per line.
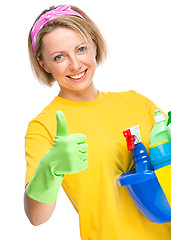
66	156
37	212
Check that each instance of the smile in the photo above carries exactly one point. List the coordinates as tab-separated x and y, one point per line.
79	76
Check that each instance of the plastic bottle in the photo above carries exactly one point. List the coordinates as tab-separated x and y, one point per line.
169	124
160	154
159	131
139	152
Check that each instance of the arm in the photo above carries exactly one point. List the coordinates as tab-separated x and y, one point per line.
66	156
37	212
37	142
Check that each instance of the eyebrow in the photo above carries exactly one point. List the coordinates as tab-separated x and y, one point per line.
64	51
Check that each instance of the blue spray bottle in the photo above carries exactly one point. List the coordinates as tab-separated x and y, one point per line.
139	152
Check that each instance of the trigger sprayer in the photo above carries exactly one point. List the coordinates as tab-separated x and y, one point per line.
139	152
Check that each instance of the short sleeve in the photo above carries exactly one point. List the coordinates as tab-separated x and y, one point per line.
150	106
37	142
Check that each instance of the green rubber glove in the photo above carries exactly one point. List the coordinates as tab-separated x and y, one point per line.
67	156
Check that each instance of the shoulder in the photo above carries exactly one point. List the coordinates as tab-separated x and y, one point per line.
47	112
128	95
45	121
130	99
123	94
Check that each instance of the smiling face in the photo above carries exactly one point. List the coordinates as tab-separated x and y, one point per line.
69	58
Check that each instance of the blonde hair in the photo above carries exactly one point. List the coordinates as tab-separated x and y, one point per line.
87	29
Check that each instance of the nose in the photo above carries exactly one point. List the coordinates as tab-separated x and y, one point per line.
74	63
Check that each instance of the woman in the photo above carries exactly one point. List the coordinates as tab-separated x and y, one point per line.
84	150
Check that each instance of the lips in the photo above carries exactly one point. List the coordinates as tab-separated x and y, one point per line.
78	76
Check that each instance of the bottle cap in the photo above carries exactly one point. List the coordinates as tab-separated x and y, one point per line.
129	139
159	116
169	114
169	118
132	136
135	130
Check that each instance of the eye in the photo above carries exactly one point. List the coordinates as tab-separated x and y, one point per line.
59	57
82	49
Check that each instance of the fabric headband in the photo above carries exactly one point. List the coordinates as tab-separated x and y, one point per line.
47	17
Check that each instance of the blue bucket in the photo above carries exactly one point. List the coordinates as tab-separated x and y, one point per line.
147	194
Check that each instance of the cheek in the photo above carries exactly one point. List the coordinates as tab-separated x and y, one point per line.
57	70
91	59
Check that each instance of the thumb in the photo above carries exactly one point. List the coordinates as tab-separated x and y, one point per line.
61	124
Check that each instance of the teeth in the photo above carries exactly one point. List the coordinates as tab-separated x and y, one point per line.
78	76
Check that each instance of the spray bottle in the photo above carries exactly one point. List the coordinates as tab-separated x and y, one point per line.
139	152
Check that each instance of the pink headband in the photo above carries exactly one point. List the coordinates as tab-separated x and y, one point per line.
47	17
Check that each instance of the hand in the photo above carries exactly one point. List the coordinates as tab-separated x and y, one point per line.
68	154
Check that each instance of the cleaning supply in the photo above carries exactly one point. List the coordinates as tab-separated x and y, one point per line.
164	178
160	151
66	156
142	183
159	131
160	154
147	193
169	124
139	152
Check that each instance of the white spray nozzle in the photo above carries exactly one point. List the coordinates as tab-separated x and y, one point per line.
135	130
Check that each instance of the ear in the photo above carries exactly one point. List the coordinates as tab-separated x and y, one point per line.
42	64
95	49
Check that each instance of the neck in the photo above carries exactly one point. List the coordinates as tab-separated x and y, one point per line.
85	95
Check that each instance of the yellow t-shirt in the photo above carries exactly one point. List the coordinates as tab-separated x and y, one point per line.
106	211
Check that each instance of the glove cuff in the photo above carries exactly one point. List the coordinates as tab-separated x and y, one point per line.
44	186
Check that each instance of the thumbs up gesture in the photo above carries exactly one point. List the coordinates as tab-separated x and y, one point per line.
68	154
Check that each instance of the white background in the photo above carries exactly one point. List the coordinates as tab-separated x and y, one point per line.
138	35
